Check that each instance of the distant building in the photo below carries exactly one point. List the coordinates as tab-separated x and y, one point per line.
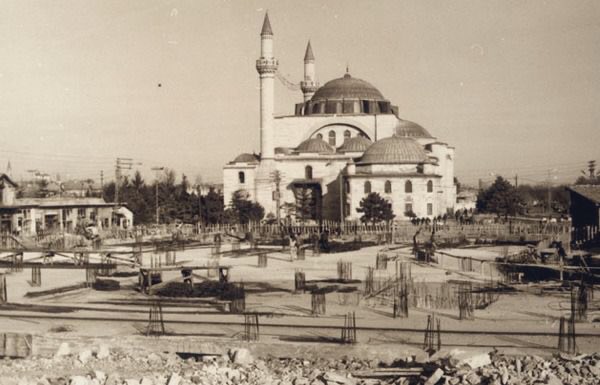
466	200
30	216
344	141
585	205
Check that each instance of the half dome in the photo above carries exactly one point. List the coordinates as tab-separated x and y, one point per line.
407	128
395	150
347	87
358	143
315	145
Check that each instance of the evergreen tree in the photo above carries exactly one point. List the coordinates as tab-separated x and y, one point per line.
244	209
375	209
500	198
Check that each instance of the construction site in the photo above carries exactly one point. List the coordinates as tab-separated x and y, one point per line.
369	294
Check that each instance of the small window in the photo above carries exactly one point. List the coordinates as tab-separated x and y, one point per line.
420	168
408	187
365	106
388	187
429	208
315	108
332	138
367	187
242	177
320	136
346	134
308	172
408	208
429	186
346	186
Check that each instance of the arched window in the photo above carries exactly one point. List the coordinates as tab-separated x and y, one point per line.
242	177
430	186
346	134
367	187
308	172
315	108
408	187
320	136
388	187
332	138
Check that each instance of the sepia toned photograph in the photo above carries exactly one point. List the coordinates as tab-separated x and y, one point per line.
279	192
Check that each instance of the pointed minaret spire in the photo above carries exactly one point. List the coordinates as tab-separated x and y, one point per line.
9	169
266	28
266	66
309	85
309	53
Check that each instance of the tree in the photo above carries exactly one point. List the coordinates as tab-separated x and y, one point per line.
212	207
244	209
375	209
500	198
305	203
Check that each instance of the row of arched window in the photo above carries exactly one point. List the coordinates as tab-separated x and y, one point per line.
387	188
332	137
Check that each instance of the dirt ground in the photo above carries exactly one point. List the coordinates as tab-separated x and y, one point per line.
522	321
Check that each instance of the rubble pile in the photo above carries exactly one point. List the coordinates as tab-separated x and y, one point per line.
101	365
464	368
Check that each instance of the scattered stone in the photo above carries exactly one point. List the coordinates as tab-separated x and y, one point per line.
84	356
241	356
78	380
174	379
435	377
63	350
103	352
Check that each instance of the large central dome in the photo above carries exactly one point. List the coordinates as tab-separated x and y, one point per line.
347	87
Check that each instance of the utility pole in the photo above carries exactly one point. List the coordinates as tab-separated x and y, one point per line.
156	170
276	175
122	164
102	184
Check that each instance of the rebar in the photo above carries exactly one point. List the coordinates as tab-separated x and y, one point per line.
299	281
156	324
344	270
381	261
465	301
36	276
349	329
317	301
238	299
262	260
433	339
251	328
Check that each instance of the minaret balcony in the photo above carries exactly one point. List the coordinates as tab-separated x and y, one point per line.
267	65
309	86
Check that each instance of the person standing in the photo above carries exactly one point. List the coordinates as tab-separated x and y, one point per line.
293	247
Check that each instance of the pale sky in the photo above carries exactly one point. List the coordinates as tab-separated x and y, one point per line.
513	85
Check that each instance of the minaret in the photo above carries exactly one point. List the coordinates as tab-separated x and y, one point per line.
309	85
266	67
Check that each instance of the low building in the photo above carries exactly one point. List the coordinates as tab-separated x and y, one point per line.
29	216
585	205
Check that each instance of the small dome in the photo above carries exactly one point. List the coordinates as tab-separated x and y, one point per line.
315	145
355	144
410	129
246	158
347	87
395	150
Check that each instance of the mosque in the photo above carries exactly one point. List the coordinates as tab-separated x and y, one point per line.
344	141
